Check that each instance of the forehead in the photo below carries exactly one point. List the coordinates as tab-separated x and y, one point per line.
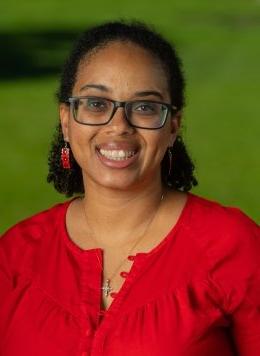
122	64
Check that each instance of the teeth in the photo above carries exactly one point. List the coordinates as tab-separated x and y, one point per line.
117	155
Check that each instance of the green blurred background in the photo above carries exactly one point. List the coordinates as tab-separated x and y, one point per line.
219	43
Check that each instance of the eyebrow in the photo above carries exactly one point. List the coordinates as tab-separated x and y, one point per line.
149	92
95	86
138	93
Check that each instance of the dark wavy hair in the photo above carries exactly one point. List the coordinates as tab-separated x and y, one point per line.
70	181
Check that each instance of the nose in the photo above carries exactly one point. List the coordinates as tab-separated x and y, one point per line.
119	122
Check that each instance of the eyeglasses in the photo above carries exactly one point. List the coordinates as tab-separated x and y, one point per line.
144	114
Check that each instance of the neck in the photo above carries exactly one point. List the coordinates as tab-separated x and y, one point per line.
116	216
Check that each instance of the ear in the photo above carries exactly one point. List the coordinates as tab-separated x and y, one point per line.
175	126
64	119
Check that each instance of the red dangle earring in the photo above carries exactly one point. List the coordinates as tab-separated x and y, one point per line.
65	156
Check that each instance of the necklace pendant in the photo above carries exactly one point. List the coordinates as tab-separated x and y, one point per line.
106	288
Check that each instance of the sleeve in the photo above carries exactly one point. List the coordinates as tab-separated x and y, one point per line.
237	276
245	315
6	284
16	251
19	244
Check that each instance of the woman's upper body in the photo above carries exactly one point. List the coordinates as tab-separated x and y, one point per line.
195	292
120	123
192	277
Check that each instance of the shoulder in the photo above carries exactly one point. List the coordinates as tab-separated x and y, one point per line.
211	216
225	235
229	241
29	231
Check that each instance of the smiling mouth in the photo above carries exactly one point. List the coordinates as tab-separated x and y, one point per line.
116	155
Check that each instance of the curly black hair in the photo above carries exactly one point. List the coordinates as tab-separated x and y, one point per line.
70	181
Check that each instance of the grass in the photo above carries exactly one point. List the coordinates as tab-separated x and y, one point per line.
219	44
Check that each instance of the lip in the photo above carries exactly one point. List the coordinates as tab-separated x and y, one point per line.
126	146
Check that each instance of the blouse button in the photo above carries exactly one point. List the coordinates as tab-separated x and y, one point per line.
124	274
113	294
131	257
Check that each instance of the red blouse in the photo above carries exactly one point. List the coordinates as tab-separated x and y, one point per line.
196	293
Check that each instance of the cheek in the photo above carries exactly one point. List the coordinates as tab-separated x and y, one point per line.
78	133
80	138
156	146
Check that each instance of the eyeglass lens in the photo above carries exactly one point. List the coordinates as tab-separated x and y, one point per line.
98	111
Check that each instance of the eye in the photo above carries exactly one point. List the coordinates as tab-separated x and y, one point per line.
96	104
144	108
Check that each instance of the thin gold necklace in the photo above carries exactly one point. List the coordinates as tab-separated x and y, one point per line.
106	287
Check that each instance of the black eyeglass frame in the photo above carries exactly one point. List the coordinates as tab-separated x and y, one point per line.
122	104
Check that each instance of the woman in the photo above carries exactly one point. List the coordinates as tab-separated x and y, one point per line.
135	265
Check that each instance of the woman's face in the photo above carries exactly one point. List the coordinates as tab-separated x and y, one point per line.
123	72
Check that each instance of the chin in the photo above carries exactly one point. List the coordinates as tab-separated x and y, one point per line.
120	181
127	179
116	184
